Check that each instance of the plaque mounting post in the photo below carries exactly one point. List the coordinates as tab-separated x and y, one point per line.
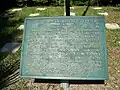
67	7
64	84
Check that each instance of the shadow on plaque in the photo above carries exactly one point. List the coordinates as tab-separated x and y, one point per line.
70	81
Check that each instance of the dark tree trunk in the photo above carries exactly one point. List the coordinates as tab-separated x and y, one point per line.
67	6
49	2
29	2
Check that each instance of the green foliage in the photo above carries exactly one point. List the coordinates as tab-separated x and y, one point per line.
79	2
74	2
44	1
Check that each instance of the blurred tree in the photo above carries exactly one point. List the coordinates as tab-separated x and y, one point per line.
115	2
5	4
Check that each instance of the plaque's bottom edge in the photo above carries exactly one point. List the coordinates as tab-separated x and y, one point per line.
63	78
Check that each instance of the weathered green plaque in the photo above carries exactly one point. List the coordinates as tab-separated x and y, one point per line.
72	48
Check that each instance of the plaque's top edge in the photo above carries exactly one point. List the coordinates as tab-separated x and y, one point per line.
67	17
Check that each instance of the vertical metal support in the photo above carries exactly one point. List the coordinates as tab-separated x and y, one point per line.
67	7
65	83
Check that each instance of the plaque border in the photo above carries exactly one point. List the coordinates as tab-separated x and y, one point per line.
103	38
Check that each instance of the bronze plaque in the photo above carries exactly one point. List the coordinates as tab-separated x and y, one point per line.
72	48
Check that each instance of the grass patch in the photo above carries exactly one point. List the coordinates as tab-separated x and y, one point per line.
113	38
